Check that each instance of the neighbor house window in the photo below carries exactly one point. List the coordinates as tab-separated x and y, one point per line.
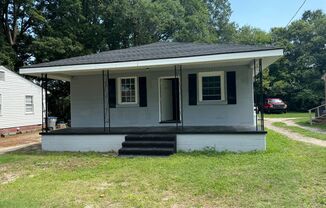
2	76
211	86
127	90
29	104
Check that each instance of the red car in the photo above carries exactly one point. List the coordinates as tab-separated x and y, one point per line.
275	105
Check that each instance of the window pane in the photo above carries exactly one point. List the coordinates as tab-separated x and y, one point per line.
211	88
128	90
2	76
29	106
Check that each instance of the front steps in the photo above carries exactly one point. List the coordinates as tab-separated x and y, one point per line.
148	144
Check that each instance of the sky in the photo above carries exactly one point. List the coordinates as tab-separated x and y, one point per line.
266	14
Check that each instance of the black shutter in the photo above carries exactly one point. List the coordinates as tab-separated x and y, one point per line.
192	89
231	87
142	92
112	93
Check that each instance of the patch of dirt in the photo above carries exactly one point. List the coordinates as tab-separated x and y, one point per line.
8	178
20	139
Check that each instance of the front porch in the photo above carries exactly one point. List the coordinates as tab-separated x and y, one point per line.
155	130
155	140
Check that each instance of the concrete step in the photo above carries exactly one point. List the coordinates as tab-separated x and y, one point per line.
146	151
150	137
144	144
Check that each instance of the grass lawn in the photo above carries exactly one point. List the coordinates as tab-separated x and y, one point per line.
301	131
288	115
288	174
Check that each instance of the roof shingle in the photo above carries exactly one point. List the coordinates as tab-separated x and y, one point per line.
160	50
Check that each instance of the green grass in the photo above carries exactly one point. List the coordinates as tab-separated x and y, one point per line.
288	174
288	115
301	131
306	122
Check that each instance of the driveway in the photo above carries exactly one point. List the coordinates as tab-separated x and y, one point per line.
293	135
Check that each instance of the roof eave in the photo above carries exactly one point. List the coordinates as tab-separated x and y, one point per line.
277	53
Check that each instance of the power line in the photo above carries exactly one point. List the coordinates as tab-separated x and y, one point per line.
296	12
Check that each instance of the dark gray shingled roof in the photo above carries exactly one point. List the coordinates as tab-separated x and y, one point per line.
160	50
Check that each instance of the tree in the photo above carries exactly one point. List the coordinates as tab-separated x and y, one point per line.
17	18
252	36
297	76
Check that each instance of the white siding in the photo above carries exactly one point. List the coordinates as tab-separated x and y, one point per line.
13	91
87	101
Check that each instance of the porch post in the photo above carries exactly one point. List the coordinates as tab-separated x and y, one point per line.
181	95
46	104
261	94
103	97
257	107
42	97
108	100
177	99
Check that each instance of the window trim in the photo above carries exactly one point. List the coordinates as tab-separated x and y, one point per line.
119	91
31	112
221	74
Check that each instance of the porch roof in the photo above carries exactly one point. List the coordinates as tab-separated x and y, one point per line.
155	55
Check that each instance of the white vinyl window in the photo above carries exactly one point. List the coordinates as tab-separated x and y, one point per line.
211	86
127	90
0	104
2	76
29	104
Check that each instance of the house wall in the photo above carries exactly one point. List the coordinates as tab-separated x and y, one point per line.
13	91
87	101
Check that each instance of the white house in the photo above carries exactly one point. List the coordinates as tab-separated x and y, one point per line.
20	103
161	98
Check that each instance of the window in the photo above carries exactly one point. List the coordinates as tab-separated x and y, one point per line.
29	105
0	104
2	76
127	88
211	86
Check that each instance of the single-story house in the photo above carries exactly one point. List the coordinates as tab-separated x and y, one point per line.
161	98
20	103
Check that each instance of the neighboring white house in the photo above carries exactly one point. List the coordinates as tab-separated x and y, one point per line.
161	98
20	103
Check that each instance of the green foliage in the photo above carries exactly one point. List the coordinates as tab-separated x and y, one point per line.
297	77
7	55
252	36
